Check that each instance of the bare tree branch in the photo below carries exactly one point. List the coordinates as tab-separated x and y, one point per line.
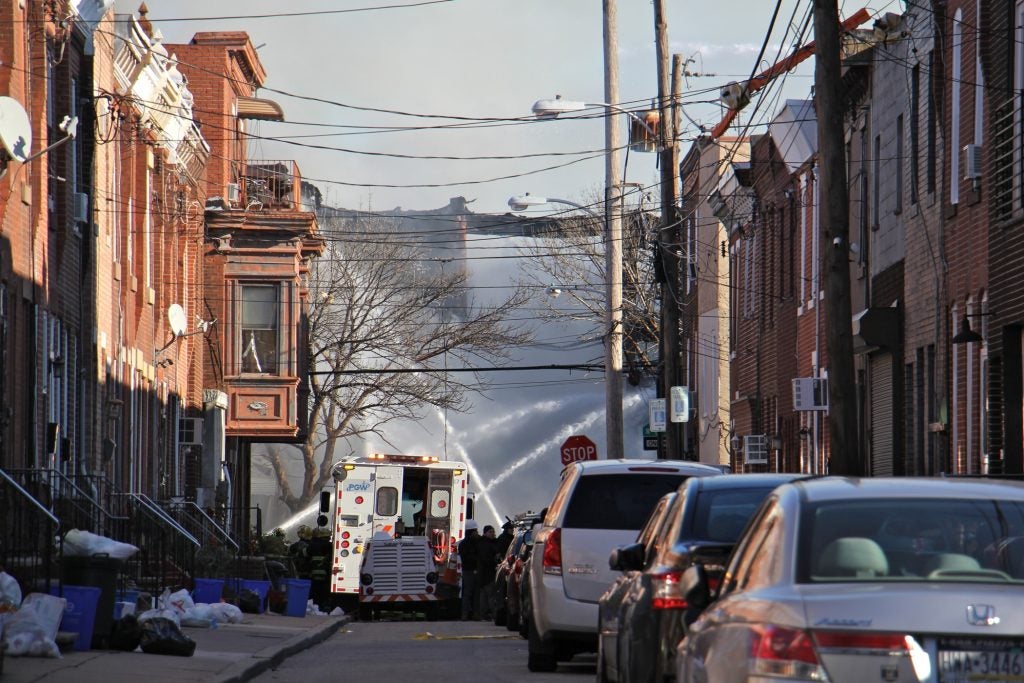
378	303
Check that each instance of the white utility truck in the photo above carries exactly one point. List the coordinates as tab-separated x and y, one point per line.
396	524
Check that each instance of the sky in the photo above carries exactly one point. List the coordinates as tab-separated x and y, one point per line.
480	60
463	74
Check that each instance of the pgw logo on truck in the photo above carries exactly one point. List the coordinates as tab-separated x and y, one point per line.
357	486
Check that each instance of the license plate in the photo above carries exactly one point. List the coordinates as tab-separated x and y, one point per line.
992	661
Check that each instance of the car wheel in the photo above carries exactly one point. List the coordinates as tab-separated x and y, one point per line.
512	621
540	655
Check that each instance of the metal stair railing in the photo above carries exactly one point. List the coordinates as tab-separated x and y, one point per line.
166	556
200	524
30	543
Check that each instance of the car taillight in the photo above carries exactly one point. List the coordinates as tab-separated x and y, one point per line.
784	653
552	561
666	591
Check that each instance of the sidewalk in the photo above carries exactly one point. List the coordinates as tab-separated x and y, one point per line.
230	653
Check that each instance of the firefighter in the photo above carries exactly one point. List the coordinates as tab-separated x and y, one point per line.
320	567
299	551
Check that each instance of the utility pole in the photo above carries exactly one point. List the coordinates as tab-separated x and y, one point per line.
668	234
845	455
613	240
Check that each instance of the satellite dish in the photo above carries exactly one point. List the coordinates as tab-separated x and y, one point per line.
176	316
15	130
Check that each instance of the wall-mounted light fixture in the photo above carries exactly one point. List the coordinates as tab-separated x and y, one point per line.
966	335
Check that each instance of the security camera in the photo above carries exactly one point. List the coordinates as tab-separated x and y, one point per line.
837	242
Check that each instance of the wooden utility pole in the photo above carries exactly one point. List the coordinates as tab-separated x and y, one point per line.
614	425
668	235
845	456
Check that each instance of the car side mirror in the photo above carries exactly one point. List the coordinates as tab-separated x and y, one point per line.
627	558
695	587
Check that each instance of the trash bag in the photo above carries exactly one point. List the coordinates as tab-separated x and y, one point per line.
161	636
127	634
249	601
32	630
78	543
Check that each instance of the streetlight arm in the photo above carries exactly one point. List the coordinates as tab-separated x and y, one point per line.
525	201
549	109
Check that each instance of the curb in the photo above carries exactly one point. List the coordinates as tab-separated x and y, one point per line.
271	657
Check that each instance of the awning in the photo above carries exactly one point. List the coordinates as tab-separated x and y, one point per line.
259	109
876	328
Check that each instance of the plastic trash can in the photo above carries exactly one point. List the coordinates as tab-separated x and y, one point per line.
208	590
296	596
259	586
79	612
100	571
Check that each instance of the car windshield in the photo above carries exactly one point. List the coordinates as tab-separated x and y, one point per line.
604	501
720	516
912	540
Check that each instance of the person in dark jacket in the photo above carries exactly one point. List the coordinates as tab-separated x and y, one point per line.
504	540
487	566
469	556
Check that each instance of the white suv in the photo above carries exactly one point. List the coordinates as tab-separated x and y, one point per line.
600	504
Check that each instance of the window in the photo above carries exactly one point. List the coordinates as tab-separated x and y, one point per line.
617	501
259	325
899	163
931	171
954	98
915	129
1018	88
876	171
387	501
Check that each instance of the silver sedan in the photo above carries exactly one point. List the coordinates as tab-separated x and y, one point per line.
854	580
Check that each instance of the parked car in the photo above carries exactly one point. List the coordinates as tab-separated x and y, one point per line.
598	505
618	593
850	580
521	534
513	593
642	617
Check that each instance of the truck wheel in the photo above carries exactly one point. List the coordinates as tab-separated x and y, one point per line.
365	613
540	655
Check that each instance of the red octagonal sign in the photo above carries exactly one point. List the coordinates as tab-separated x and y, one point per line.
578	447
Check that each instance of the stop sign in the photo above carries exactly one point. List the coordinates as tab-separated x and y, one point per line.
578	447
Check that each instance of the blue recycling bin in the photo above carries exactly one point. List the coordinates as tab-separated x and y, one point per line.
79	613
208	590
296	596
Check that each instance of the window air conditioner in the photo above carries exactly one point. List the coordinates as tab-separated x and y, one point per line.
810	393
190	431
79	207
234	194
755	449
972	162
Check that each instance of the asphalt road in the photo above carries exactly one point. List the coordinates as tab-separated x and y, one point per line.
423	651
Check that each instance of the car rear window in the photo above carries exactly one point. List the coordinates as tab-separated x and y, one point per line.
912	540
617	501
722	515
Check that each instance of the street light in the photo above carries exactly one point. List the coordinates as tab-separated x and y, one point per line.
546	109
525	201
551	109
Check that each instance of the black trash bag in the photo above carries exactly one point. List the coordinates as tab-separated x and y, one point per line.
161	636
127	634
249	601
